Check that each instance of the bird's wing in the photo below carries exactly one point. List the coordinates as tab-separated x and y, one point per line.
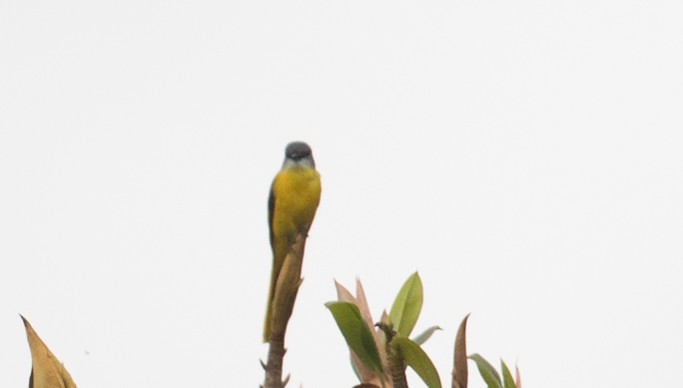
271	211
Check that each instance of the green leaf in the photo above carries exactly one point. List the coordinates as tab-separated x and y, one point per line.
356	333
425	335
406	308
487	371
508	380
417	359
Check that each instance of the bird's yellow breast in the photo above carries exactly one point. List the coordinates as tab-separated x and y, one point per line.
297	194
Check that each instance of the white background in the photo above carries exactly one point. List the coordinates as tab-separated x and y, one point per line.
523	156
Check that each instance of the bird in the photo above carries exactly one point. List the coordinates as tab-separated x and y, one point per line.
292	204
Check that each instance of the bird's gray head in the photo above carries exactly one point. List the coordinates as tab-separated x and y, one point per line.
299	153
298	150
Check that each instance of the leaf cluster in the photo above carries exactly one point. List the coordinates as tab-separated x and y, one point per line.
381	352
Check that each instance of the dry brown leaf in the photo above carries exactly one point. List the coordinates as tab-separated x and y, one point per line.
362	303
46	370
343	294
460	356
366	375
518	378
384	317
286	289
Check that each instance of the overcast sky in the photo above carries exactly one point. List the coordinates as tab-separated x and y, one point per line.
523	156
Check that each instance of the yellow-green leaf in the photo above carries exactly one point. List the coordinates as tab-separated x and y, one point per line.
417	360
487	371
407	306
508	380
356	333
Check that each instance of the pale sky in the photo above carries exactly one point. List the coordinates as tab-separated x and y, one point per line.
523	156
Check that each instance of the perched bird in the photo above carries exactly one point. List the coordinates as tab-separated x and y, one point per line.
293	201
